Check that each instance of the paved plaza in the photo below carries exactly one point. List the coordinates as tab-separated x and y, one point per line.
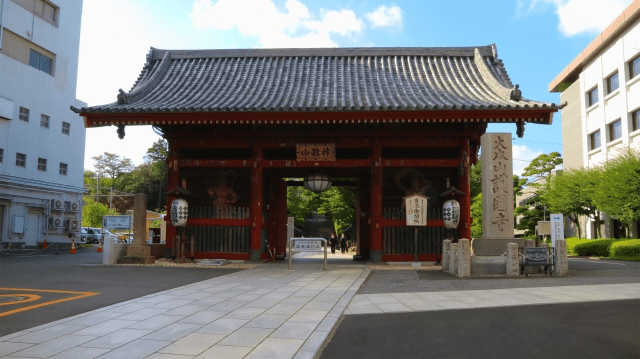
270	312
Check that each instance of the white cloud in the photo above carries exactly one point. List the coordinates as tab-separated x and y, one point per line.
578	16
522	156
262	19
385	16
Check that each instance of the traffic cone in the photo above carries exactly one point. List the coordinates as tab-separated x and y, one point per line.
44	245
99	246
73	247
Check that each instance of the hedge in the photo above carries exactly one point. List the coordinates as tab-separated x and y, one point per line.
574	241
596	248
629	250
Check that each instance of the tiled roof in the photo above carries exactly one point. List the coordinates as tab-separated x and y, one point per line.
312	80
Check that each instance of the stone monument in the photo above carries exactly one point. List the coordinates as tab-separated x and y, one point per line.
497	196
139	252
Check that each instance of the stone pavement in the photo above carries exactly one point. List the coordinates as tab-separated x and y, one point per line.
265	312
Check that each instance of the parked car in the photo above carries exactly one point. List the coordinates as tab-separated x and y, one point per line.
83	235
94	235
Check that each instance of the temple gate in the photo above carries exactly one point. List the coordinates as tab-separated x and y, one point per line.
389	122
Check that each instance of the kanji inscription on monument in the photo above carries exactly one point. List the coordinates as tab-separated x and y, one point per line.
497	185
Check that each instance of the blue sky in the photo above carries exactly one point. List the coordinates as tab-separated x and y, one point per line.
536	39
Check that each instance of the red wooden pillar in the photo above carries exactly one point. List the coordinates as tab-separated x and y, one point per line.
464	229
255	248
375	254
281	217
173	181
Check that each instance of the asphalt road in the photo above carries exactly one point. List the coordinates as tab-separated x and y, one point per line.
608	329
82	272
581	330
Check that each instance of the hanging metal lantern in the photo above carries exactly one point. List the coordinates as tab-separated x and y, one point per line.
451	214
179	212
317	182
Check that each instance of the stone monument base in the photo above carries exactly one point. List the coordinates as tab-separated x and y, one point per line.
493	247
137	255
482	265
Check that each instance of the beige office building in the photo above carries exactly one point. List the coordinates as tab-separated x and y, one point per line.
601	89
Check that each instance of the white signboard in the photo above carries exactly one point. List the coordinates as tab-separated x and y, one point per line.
116	222
308	246
416	207
557	228
290	229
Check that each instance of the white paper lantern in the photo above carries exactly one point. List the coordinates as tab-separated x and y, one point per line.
179	212
451	214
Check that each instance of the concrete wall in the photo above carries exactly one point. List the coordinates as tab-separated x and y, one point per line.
572	134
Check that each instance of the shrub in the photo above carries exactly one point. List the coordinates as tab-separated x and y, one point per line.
629	250
574	241
596	248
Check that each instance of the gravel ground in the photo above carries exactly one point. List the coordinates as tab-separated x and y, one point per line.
581	272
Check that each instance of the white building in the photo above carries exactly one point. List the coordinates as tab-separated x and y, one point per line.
601	87
41	140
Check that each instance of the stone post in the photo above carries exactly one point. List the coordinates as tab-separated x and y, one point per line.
453	266
464	258
513	264
562	258
139	252
446	254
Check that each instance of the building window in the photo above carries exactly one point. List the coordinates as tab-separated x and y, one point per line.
42	164
44	121
66	127
49	11
21	160
634	67
635	120
1	154
592	97
615	130
612	83
63	169
40	62
595	140
24	114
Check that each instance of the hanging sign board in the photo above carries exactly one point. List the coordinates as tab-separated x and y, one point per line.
317	152
116	222
416	207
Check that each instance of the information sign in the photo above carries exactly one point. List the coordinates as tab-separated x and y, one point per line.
557	228
290	228
536	255
116	222
308	246
416	207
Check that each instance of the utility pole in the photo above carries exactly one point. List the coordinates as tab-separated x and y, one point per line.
111	198
97	187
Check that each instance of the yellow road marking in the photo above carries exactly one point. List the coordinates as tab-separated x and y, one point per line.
30	298
79	295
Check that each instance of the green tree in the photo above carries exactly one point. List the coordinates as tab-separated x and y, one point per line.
571	193
92	213
617	193
476	214
534	208
339	202
111	165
